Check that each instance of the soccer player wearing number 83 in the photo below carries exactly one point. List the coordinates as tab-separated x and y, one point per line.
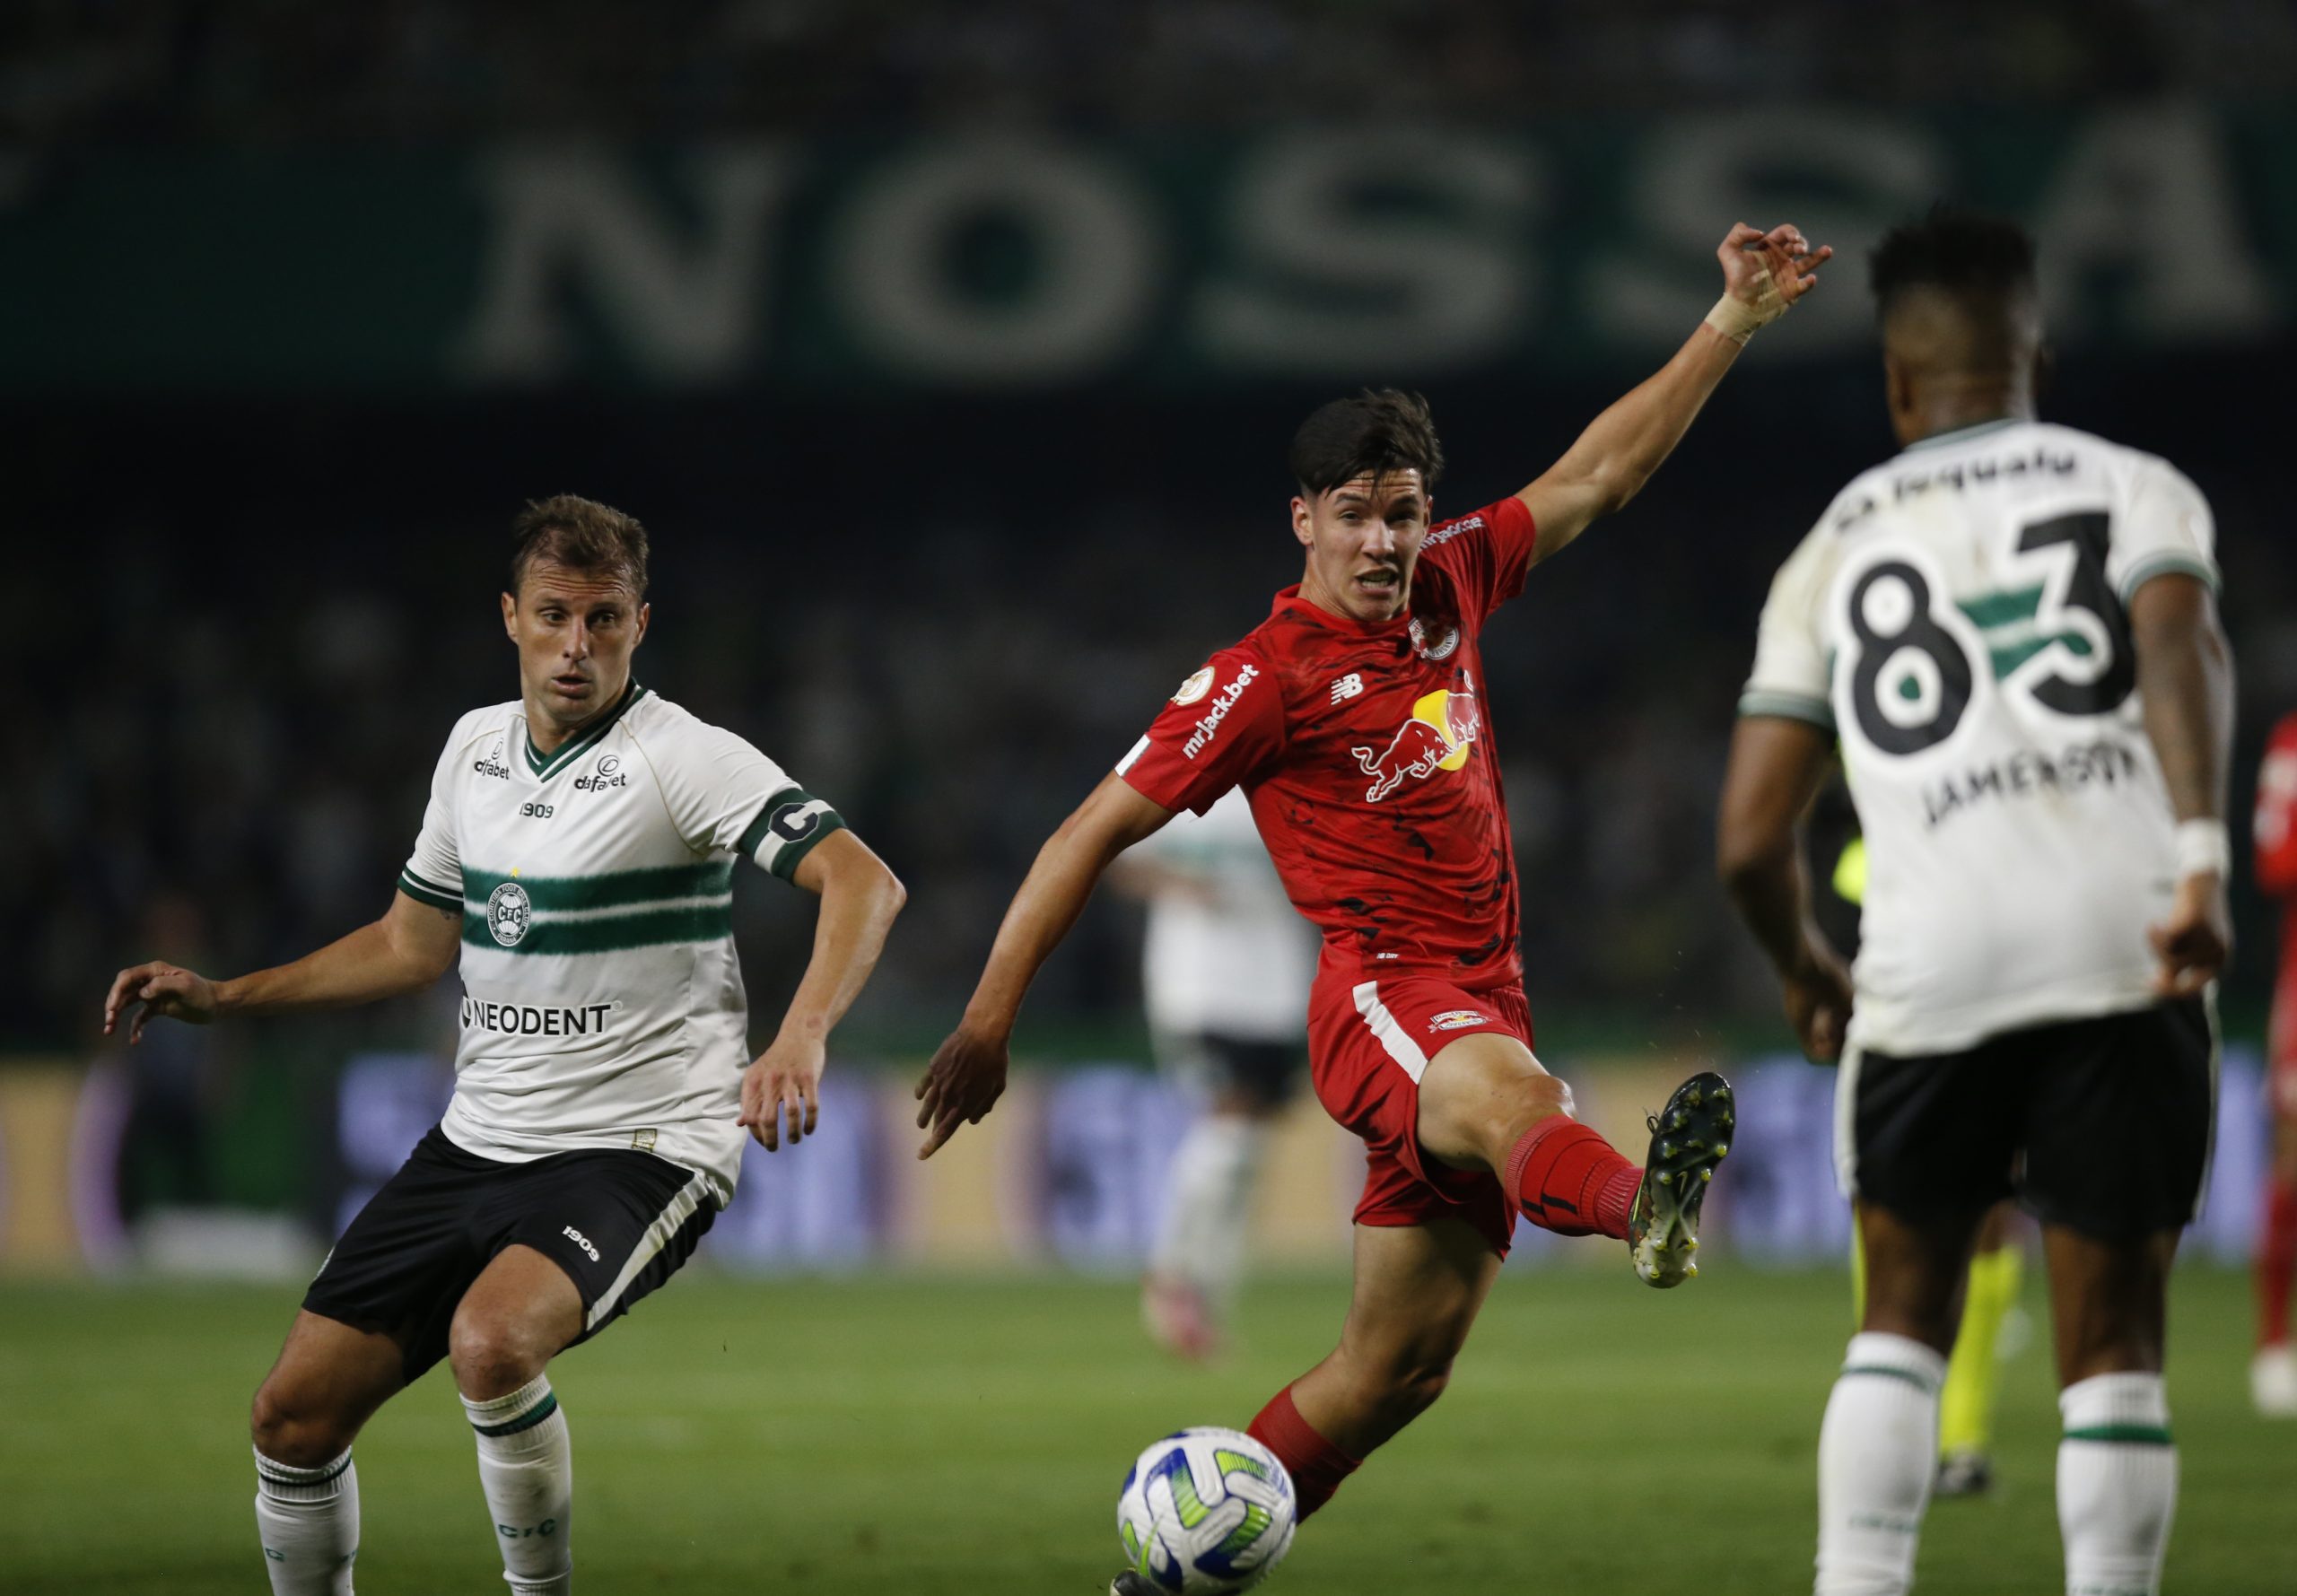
2012	630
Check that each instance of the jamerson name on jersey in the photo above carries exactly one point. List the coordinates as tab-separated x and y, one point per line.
520	1019
2104	763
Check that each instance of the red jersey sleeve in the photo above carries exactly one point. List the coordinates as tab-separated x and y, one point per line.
2276	822
1486	553
1226	722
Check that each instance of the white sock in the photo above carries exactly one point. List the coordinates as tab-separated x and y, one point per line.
527	1470
2116	1484
1213	1172
1876	1452
308	1519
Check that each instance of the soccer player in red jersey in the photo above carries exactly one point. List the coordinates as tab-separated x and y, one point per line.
2273	1376
1353	719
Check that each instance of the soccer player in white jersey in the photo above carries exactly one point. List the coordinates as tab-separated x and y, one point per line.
2012	629
578	854
1224	977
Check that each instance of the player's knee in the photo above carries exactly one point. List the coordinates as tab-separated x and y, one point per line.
1414	1386
292	1430
491	1357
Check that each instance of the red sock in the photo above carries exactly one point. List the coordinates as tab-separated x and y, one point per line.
1568	1180
1316	1466
2276	1263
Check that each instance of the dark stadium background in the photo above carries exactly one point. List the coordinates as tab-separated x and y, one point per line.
258	475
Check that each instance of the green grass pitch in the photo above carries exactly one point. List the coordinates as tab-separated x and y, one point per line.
907	1434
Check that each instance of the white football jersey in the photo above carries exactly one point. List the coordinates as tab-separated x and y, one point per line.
602	1000
1958	618
1238	961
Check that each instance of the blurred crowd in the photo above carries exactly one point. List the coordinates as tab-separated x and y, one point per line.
262	71
247	634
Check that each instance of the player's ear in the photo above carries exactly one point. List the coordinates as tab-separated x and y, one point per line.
1897	392
1304	525
510	616
645	614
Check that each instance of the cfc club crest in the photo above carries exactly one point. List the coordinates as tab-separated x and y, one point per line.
509	912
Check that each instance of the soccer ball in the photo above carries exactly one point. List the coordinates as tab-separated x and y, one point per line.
1206	1511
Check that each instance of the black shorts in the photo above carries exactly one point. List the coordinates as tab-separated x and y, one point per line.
619	1223
2102	1125
1264	1072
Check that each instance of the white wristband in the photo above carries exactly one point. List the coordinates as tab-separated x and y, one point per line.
2204	849
1738	321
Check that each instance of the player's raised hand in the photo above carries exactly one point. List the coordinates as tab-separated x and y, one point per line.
1766	272
157	990
781	1091
2193	944
963	1083
1818	998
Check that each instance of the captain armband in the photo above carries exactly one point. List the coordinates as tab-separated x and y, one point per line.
787	829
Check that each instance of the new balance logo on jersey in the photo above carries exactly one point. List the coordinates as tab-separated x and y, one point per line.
1208	727
1347	687
1439	737
582	1241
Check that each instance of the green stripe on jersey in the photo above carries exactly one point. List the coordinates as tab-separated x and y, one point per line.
608	889
2002	609
608	933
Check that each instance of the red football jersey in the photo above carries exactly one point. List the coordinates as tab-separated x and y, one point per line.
1369	759
2275	836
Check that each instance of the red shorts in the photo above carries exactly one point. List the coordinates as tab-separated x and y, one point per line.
2281	1086
1368	1043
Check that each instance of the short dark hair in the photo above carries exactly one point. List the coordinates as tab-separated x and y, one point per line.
1378	432
1968	254
582	535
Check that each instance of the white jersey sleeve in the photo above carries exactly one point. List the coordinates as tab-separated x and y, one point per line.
1790	677
434	872
725	796
2164	528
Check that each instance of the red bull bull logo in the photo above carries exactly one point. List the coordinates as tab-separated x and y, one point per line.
1438	736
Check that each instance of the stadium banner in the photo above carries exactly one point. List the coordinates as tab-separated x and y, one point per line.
1069	1173
1033	262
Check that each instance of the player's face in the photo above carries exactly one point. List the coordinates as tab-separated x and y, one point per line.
1363	539
575	632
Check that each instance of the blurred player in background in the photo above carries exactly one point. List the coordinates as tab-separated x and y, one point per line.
578	854
1353	719
2013	629
1967	1399
2273	1375
1225	975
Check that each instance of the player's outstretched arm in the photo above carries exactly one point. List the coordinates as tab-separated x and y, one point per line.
1777	767
411	946
1763	275
968	1074
860	898
2185	676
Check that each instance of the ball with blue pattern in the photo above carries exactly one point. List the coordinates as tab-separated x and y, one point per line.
1206	1511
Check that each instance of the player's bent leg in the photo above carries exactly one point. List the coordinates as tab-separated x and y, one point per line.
1417	1292
2116	1465
1879	1444
328	1381
519	1313
1486	1102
